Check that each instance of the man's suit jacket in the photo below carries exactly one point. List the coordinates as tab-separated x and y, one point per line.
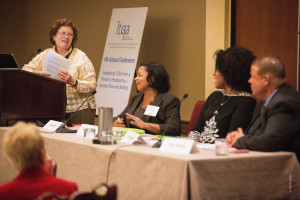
168	115
278	126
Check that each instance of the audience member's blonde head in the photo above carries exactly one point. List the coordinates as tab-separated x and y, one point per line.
23	146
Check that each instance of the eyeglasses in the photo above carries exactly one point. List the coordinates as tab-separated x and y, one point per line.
66	34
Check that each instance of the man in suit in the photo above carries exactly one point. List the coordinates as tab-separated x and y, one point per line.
275	125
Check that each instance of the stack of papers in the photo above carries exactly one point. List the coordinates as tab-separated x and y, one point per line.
124	129
212	147
55	63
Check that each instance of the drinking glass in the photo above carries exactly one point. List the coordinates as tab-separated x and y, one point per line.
221	147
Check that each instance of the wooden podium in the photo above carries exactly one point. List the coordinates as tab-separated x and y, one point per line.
25	96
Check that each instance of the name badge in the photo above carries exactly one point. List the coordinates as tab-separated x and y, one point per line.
151	110
132	137
178	145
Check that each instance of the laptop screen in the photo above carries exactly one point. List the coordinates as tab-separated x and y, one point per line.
8	61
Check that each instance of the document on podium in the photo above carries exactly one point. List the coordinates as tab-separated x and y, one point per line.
55	63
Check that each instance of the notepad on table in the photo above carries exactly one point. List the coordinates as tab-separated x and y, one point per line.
124	129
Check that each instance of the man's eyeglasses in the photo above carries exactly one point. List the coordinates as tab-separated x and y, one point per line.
66	34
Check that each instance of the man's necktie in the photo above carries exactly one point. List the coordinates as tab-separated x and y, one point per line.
258	119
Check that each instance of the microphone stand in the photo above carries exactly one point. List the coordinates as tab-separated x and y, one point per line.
37	51
63	129
159	142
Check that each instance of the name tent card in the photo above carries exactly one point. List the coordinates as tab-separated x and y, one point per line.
52	126
178	145
132	137
87	131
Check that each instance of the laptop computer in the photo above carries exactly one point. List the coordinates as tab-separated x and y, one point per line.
8	61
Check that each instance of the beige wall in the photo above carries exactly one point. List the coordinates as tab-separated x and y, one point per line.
217	37
175	35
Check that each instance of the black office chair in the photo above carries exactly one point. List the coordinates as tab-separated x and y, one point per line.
50	166
52	196
101	192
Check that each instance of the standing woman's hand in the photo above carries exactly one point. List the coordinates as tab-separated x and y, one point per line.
66	77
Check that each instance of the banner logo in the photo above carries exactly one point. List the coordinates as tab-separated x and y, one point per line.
123	30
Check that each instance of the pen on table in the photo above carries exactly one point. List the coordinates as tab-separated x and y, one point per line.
120	120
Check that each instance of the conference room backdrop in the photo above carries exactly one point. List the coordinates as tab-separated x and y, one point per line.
182	35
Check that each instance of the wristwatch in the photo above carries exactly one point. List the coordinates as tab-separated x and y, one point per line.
75	83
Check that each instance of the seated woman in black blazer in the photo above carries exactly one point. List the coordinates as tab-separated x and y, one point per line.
232	107
152	109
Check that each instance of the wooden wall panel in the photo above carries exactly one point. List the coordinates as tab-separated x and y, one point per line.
268	27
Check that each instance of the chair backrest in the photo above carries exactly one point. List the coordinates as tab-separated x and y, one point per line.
52	196
103	192
50	166
195	114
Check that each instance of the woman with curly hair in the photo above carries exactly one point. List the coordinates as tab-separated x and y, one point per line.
232	107
80	77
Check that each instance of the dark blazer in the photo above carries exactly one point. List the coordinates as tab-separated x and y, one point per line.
168	115
278	126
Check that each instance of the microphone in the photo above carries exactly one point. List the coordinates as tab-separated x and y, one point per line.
37	51
66	130
158	143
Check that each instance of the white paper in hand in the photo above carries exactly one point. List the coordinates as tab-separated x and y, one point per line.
55	63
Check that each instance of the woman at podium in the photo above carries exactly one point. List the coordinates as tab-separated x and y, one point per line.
80	78
152	108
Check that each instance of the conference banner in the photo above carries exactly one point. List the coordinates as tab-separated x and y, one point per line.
120	57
